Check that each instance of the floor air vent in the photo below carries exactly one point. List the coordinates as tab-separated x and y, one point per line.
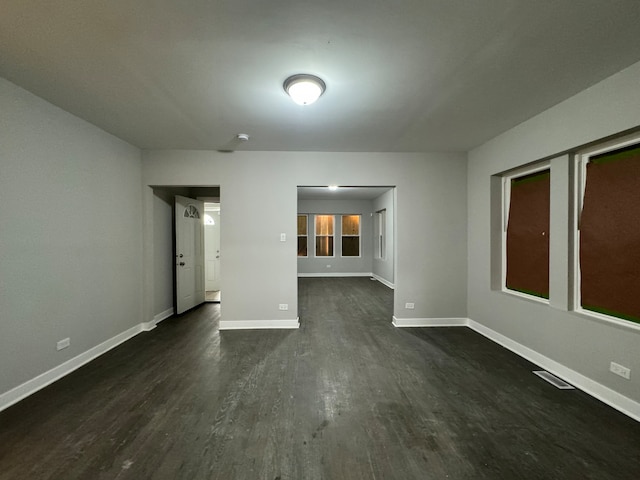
553	380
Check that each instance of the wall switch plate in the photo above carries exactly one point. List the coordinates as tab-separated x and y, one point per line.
620	370
284	306
64	343
283	237
409	306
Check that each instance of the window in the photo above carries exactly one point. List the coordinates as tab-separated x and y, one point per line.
191	211
324	235
350	235
302	235
526	231
380	227
607	237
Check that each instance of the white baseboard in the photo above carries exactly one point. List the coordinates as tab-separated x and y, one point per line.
383	281
429	322
163	315
148	326
336	274
258	324
38	383
606	395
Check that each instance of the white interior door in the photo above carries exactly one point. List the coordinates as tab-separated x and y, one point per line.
189	225
212	247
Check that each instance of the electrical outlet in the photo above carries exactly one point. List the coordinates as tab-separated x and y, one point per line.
64	343
409	306
284	306
620	370
328	266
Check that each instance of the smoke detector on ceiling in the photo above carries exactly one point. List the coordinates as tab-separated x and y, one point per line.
243	137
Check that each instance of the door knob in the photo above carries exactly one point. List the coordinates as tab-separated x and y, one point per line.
182	264
181	255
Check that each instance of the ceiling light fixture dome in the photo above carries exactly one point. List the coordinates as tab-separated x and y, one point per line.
304	89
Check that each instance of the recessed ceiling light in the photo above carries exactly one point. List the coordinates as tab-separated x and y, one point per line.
333	187
304	89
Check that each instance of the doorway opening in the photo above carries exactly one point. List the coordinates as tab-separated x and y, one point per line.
168	273
347	231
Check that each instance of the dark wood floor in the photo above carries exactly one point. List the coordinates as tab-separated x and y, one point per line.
347	396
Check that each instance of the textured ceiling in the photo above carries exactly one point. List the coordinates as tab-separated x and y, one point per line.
402	75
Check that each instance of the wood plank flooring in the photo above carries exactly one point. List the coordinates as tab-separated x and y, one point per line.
347	396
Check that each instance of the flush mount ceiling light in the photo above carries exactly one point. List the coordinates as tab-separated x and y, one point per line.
304	89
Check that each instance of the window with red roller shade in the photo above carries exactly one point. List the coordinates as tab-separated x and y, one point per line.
527	234
608	235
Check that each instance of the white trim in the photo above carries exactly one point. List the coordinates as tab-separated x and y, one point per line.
148	326
380	234
429	322
604	394
336	274
533	298
620	322
580	181
359	235
32	386
507	177
163	315
384	281
258	324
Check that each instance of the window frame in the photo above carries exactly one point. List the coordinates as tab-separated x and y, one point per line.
581	159
342	235
507	177
381	234
306	215
315	235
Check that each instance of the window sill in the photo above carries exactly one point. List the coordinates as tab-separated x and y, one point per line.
531	298
619	322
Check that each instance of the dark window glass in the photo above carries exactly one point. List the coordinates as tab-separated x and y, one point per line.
350	246
324	246
350	235
302	236
302	246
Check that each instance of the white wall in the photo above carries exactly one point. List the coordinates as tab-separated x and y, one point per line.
363	264
260	272
578	343
70	236
383	267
